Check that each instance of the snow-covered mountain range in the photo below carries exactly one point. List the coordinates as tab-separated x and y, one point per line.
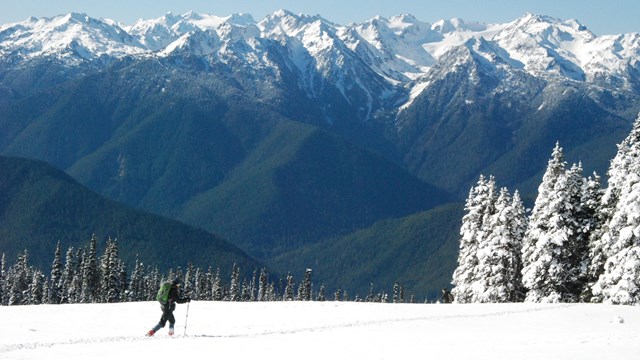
294	127
380	57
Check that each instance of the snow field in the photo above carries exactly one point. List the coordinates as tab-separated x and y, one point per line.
315	330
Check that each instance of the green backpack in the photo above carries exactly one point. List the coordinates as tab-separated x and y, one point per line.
163	293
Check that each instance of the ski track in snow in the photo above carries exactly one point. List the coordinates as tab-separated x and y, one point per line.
352	324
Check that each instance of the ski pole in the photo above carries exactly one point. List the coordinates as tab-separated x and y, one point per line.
185	319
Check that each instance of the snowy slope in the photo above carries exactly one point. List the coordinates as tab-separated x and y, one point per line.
325	330
75	37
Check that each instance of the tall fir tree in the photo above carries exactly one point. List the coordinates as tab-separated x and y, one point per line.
554	243
479	207
75	291
137	288
111	285
19	280
396	293
36	288
56	280
216	287
245	293
189	280
519	228
90	274
617	261
263	285
272	294
67	276
593	193
322	294
234	290
499	253
254	285
3	280
206	283
576	252
304	290
289	289
152	282
123	280
45	289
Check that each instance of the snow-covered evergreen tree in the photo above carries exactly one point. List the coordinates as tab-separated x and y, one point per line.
304	290
19	280
544	237
189	281
593	220
245	292
216	287
263	285
152	282
234	290
36	288
206	285
322	294
90	274
3	280
272	294
254	285
479	208
45	290
289	289
136	285
396	293
55	283
67	276
583	197
555	244
111	285
75	290
371	296
619	278
499	252
519	228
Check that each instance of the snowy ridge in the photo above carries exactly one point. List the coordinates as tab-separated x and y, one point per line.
376	57
72	36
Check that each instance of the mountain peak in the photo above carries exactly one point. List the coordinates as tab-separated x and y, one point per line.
457	24
284	22
534	23
80	17
241	19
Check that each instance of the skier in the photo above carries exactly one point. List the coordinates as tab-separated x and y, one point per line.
167	305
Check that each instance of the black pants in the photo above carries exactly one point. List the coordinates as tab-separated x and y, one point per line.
167	314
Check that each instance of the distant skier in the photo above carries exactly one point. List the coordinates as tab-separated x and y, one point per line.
168	296
447	297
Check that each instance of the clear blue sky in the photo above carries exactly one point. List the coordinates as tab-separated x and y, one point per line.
601	16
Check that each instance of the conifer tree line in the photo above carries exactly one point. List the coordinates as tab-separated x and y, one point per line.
83	277
580	242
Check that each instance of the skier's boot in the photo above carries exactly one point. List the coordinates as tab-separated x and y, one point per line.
171	331
154	330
